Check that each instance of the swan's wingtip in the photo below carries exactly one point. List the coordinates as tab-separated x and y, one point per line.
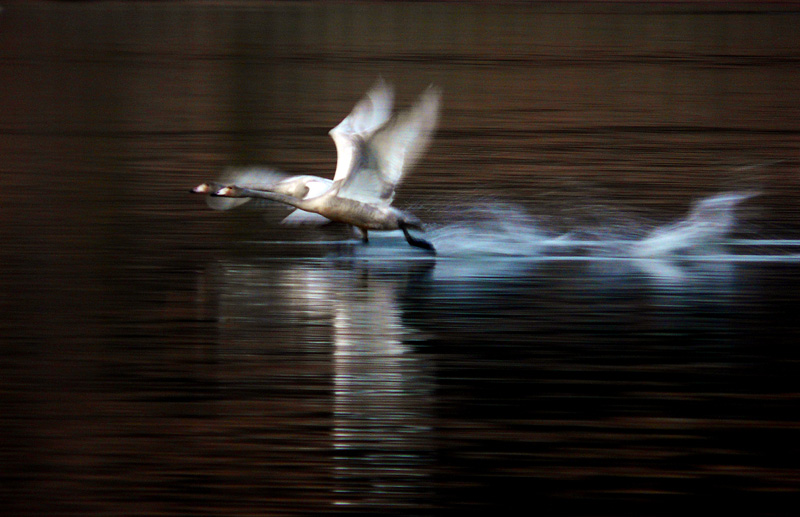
434	91
430	100
382	85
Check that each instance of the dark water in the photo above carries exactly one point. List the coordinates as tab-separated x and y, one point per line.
160	358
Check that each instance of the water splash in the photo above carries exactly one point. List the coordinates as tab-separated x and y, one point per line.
494	230
497	230
500	240
705	230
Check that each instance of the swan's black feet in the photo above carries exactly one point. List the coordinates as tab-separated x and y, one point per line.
419	243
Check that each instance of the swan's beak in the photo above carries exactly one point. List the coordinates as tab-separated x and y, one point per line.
203	188
225	192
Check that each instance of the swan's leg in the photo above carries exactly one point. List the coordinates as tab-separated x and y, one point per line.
419	243
362	233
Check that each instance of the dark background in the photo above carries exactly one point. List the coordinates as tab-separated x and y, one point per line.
158	358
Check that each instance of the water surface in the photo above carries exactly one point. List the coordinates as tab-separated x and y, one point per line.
159	357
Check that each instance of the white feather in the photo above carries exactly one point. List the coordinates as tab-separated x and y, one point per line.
372	112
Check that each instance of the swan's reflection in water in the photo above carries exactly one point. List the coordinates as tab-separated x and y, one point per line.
382	389
382	399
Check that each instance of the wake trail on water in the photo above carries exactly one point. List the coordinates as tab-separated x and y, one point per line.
493	230
498	230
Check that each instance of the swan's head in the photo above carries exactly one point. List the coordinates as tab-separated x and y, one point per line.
229	191
205	188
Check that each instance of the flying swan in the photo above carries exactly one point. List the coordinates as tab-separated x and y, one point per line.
374	152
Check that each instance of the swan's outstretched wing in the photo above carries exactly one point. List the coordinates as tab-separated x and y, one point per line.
369	114
388	153
255	178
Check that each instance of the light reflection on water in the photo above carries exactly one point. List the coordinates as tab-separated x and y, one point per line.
426	366
161	358
382	390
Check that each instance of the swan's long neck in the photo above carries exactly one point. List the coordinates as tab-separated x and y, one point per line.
274	196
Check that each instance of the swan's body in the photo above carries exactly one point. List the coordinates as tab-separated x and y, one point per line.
365	216
303	187
374	152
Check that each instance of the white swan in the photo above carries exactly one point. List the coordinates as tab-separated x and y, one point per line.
268	179
372	160
372	112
